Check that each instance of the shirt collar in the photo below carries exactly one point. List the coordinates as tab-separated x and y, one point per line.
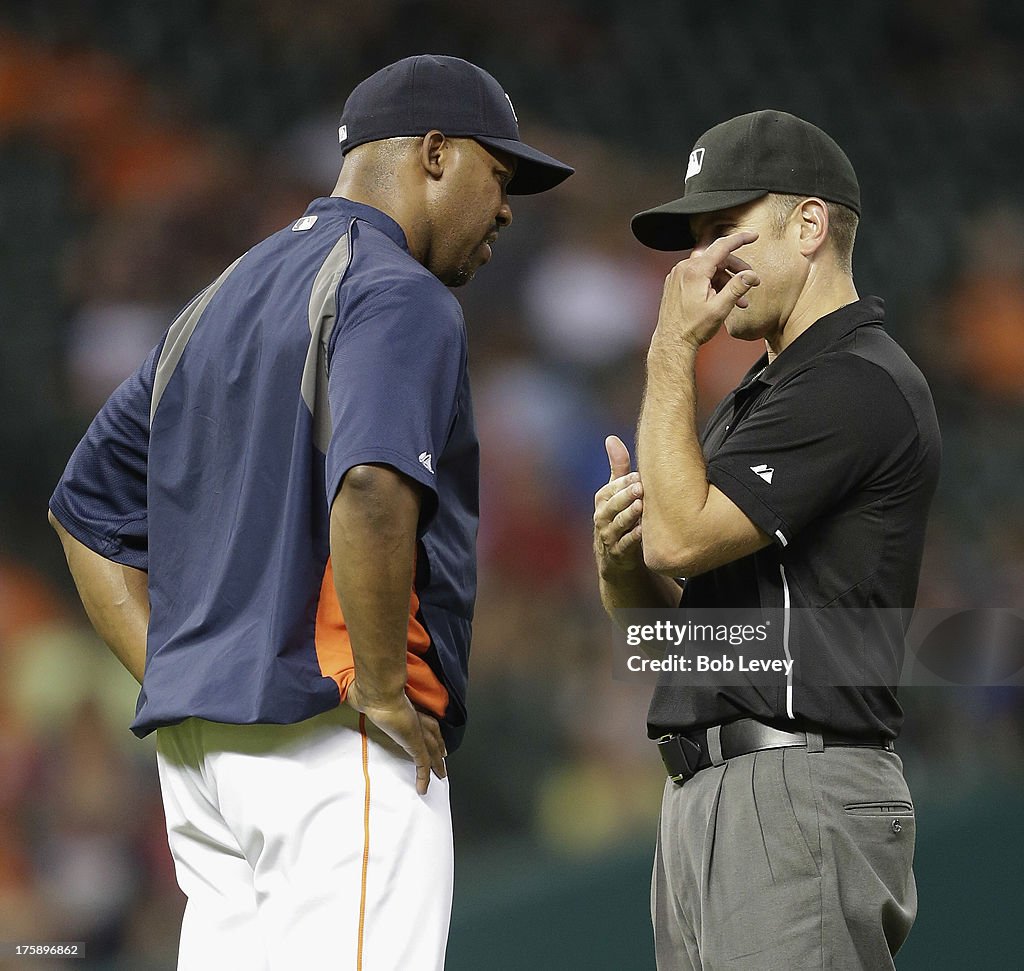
376	218
817	339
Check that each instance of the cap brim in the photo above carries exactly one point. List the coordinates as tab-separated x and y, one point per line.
535	171
667	227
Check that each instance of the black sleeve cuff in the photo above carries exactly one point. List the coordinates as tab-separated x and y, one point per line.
752	505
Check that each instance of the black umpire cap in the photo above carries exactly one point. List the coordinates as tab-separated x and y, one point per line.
743	159
428	91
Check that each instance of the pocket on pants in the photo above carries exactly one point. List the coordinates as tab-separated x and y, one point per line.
884	831
894	807
888	821
798	792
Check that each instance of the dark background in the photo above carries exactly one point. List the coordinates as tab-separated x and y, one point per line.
144	145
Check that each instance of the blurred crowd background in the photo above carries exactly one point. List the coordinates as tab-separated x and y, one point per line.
144	145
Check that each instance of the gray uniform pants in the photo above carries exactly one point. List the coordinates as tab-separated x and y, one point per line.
786	860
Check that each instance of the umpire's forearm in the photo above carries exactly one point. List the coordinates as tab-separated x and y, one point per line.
115	597
373	556
669	457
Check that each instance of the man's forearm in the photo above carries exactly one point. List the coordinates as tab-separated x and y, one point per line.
373	556
115	597
690	527
669	456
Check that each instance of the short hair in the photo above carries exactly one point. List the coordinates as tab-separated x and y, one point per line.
386	156
842	225
395	150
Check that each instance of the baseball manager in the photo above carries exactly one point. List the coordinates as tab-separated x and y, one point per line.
272	523
787	830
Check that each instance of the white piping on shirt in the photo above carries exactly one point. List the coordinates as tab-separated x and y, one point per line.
785	641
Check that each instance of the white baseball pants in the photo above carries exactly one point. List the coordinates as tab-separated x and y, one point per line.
305	846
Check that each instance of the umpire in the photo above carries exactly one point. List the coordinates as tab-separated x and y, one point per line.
787	829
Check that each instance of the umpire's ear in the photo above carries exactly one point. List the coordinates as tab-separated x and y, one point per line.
813	224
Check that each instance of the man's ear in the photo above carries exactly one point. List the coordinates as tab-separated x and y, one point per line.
813	215
433	153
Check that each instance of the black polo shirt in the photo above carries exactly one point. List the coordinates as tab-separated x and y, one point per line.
833	449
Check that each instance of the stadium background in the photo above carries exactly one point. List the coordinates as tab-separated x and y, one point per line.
143	145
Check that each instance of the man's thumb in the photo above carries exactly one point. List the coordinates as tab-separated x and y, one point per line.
618	457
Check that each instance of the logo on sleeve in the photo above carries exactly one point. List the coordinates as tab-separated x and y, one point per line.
427	461
301	225
695	164
764	471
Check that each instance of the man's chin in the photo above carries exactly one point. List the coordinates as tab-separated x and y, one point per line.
462	274
460	277
742	327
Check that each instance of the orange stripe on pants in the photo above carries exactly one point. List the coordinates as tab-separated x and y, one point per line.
366	842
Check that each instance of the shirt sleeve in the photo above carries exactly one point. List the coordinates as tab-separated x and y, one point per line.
395	370
817	439
101	498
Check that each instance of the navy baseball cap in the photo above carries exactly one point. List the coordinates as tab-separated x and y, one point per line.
744	159
428	91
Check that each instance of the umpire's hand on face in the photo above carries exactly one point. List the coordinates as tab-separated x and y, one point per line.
618	509
702	290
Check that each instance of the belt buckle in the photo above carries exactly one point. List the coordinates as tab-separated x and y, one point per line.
679	752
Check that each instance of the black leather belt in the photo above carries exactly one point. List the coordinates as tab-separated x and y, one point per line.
686	754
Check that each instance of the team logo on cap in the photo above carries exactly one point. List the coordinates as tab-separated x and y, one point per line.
512	106
695	164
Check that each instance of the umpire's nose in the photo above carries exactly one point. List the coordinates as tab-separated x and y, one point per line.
504	217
